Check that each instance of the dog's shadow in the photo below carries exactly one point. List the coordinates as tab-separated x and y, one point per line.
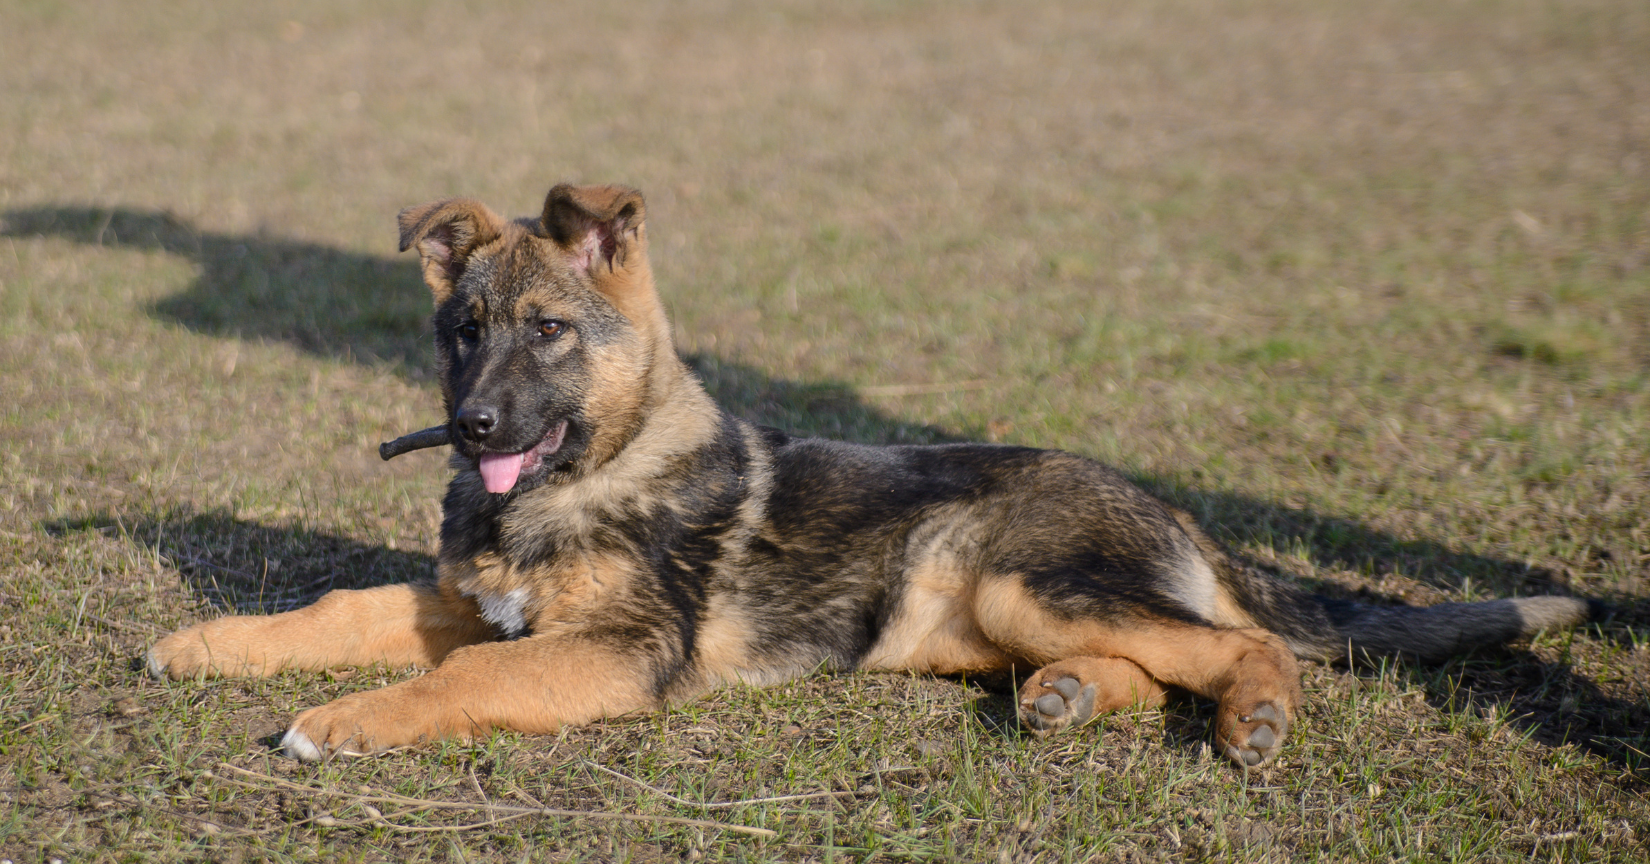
349	306
326	301
251	568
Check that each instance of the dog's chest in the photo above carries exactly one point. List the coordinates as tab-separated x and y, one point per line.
505	595
505	610
514	597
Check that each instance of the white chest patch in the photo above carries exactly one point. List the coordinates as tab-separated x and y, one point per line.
507	612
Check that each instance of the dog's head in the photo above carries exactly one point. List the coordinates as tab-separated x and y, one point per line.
547	330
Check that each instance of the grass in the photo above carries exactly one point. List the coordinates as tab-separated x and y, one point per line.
1367	288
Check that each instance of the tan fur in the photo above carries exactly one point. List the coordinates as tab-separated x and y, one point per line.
555	598
724	645
397	625
664	434
532	685
444	231
1228	614
1239	669
617	396
935	629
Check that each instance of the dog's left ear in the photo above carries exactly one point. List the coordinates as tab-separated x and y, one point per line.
601	227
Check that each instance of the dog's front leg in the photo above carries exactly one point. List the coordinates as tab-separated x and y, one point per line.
536	684
413	624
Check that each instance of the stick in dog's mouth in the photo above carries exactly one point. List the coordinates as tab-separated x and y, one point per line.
435	436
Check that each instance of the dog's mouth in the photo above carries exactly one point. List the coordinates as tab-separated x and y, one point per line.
500	471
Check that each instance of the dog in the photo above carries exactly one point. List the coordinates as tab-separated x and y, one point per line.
612	541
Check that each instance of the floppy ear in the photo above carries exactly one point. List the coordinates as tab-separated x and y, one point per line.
446	232
601	227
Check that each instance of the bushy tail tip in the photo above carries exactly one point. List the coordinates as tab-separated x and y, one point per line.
1448	629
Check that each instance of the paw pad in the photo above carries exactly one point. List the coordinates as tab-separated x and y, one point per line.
1256	735
1068	703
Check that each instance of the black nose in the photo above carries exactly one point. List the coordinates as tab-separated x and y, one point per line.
476	422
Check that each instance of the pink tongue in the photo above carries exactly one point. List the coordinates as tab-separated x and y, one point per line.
500	470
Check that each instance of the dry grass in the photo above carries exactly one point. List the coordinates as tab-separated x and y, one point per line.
1365	286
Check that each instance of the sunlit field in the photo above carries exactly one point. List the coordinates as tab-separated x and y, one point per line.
1365	287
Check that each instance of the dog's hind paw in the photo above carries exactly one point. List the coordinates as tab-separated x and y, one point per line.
1065	701
1254	737
1072	692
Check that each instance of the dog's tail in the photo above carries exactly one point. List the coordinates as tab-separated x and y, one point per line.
1325	628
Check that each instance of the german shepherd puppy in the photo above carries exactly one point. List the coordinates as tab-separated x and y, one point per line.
612	541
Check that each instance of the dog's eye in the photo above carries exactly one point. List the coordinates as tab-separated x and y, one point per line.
469	331
551	328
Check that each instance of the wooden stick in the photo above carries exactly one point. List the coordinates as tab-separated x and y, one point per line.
435	436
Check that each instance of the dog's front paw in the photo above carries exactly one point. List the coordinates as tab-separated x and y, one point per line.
227	646
1251	736
359	724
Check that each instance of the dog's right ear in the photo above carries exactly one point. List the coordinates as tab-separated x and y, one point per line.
446	232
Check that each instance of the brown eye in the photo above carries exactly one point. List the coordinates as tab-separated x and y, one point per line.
551	329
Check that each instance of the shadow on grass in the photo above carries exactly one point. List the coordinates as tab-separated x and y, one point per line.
1549	701
326	301
347	306
249	568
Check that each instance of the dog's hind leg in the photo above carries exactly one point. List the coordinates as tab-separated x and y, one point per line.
1251	673
400	625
